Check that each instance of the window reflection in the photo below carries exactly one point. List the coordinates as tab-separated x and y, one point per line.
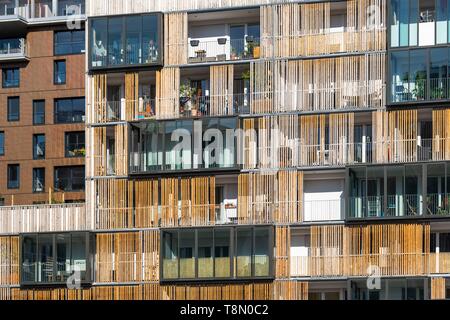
125	41
214	252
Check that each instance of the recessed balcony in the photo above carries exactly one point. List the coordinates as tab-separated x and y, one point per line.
224	36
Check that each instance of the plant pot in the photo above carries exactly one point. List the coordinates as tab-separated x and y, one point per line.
194	112
195	43
222	41
256	52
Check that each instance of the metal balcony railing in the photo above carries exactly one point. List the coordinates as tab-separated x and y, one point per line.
13	49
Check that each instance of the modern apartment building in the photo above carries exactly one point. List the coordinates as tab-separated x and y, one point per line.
42	99
249	149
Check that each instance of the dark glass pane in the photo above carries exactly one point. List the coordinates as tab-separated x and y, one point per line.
222	254
262	252
46	259
244	252
187	259
205	254
170	255
63	263
29	259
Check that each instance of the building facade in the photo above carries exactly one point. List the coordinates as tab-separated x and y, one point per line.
284	150
42	102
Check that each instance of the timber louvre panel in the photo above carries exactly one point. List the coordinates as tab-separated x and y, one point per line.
9	261
270	197
167	92
298	29
397	250
221	84
438	289
175	38
441	134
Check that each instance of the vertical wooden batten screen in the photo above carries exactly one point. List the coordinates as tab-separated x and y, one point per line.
9	261
99	112
175	38
438	289
131	95
167	92
270	197
441	134
221	83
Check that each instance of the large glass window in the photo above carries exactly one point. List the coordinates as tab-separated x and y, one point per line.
13	109
183	145
125	41
398	190
13	176
2	143
75	146
216	253
69	178
38	180
38	146
69	42
11	77
419	74
53	258
38	112
419	22
59	72
69	110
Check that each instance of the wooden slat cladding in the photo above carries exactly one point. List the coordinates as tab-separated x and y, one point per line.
44	218
403	129
131	95
282	252
145	200
395	136
114	207
98	89
221	83
277	290
9	261
438	289
290	141
394	250
441	134
109	158
150	255
296	29
127	257
175	38
318	85
167	92
188	201
270	197
261	87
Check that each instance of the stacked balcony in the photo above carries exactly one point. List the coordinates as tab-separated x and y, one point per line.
13	50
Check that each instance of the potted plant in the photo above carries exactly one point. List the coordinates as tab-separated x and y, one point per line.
186	95
419	90
233	55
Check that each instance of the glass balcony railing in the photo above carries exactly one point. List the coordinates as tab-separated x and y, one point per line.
41	9
399	205
13	49
421	90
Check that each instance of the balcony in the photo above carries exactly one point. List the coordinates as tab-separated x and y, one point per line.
390	264
398	191
44	218
217	37
125	41
12	50
153	145
223	49
37	10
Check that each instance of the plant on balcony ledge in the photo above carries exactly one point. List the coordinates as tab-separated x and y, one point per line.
186	97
